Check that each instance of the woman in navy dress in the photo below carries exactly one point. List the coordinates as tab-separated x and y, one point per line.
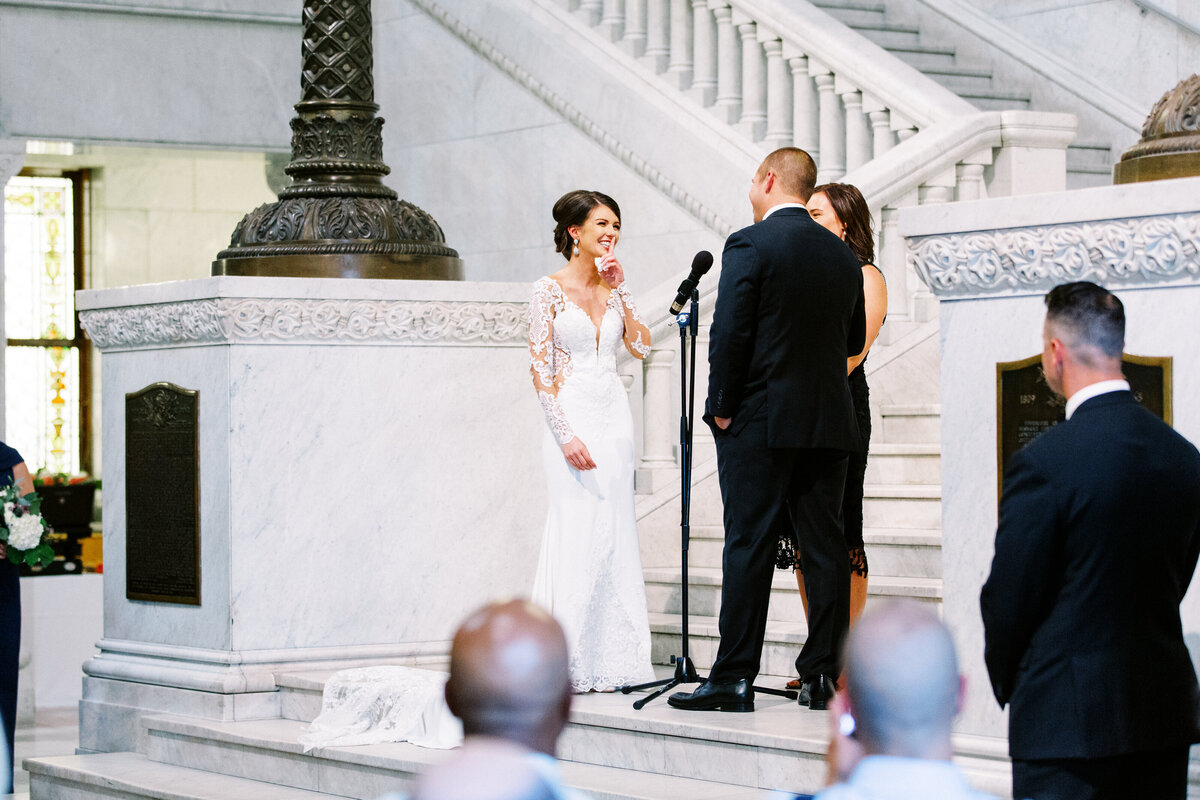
12	468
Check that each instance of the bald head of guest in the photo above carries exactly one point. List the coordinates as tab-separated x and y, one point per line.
902	682
1083	337
509	676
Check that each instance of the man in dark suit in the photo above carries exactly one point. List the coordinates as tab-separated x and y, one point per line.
1098	537
789	312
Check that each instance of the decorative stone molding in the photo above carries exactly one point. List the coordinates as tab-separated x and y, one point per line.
1144	250
305	321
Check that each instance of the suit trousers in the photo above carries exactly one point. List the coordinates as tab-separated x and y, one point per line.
767	491
1161	774
10	653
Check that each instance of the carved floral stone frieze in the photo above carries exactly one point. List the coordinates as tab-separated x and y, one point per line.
1143	250
305	321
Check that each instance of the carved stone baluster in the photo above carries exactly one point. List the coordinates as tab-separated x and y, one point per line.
858	135
806	128
658	452
970	182
634	41
904	134
832	165
704	44
679	69
882	137
658	46
779	96
591	11
753	121
891	260
612	21
728	105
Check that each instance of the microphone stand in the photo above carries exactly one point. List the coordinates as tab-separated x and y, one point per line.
689	324
685	670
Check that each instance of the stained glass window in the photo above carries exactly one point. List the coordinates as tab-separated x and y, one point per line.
42	362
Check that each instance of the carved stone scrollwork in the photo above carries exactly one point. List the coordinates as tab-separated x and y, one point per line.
370	223
1152	250
292	321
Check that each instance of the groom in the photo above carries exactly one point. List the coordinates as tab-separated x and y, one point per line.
789	313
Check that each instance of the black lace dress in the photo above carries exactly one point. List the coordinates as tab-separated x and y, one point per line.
852	495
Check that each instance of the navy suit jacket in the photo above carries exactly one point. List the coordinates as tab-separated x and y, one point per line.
789	313
1098	537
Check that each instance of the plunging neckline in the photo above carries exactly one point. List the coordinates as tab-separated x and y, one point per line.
597	325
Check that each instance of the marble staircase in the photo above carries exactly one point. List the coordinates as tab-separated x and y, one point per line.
608	750
1089	163
902	517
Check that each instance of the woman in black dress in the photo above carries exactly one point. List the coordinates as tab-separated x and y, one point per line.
841	208
12	469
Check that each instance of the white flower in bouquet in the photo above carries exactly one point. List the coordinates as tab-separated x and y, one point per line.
24	531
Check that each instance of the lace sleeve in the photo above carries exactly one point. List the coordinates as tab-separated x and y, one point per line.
544	358
637	335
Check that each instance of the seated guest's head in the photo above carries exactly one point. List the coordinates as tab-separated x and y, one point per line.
509	677
903	689
1083	337
485	769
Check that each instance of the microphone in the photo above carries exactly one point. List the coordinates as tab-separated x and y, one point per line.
701	264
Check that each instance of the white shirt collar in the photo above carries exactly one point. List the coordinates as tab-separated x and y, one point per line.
1094	390
773	209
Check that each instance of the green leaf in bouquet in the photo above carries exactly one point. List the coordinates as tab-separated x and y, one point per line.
15	556
40	556
35	502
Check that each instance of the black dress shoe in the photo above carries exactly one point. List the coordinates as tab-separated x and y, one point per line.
738	696
816	692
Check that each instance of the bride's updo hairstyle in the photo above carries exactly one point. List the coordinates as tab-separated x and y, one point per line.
573	209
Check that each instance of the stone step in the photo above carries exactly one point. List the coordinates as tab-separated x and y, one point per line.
891	552
902	506
655	760
995	100
1090	157
925	55
854	13
888	35
612	750
919	423
132	776
780	648
664	591
962	79
900	553
919	462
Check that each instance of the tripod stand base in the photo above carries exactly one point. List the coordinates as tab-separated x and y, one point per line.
685	672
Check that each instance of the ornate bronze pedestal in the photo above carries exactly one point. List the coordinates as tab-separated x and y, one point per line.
1170	144
337	219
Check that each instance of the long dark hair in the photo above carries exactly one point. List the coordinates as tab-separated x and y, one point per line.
573	209
851	209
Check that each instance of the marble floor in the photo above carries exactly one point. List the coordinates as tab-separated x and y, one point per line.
53	732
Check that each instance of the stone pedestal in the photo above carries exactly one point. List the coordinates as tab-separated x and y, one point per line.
990	263
369	469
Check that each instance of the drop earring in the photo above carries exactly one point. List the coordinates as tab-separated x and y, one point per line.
576	252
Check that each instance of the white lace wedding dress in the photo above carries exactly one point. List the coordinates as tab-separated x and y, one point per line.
589	573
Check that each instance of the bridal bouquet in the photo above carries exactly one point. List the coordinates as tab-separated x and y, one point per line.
24	530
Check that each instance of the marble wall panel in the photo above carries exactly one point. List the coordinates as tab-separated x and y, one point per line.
976	334
207	625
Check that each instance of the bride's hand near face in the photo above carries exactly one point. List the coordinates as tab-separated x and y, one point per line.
610	270
577	455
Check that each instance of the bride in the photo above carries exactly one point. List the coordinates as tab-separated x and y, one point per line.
589	572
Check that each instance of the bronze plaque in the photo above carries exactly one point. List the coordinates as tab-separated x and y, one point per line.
1025	406
162	494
